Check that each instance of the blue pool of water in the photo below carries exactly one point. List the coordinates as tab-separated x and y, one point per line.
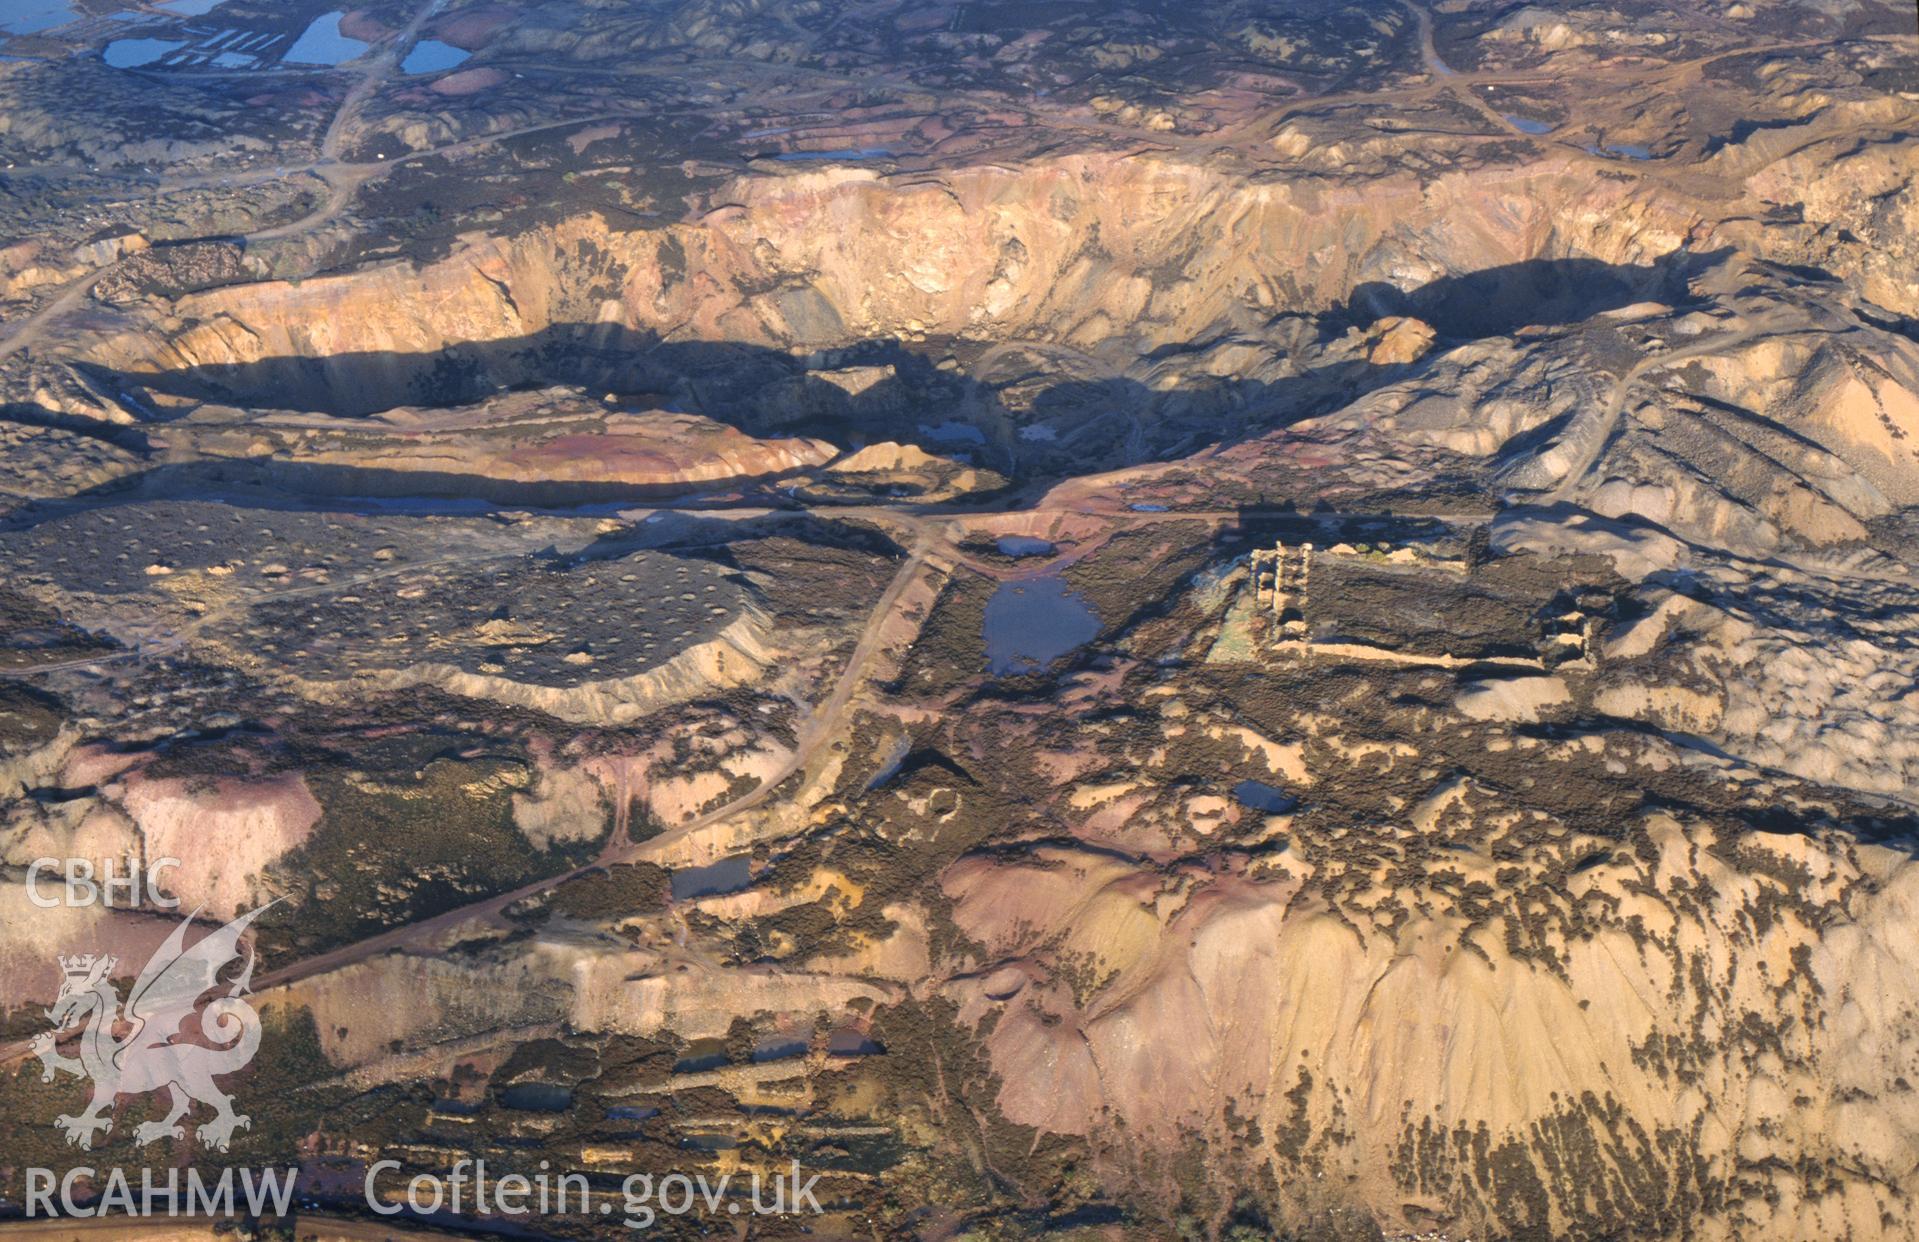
455	1108
537	1097
189	8
432	56
1526	125
323	44
132	53
779	1048
1263	797
729	875
1023	545
628	1112
702	1055
1031	623
850	1043
950	432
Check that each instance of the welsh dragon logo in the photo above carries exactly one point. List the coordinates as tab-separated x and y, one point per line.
155	1052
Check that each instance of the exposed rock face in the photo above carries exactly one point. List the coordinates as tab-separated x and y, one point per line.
1519	698
1832	182
28	265
986	252
1400	340
224	838
565	805
44	462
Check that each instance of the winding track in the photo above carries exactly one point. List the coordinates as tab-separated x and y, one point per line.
932	546
819	729
1596	444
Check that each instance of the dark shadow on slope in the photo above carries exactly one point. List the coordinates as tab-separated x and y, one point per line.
1887	321
301	484
134	440
768	385
699	535
862	394
1498	301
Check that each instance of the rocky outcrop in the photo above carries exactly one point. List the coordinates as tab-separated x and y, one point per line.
1399	339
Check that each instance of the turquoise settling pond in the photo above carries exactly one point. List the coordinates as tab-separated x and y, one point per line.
1527	125
432	56
132	53
323	44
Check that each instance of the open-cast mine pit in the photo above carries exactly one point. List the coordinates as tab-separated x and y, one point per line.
1081	620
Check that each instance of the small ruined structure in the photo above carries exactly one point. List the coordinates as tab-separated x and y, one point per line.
1279	586
1282	579
1567	637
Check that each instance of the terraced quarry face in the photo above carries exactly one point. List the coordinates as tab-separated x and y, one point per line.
1090	310
1088	620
